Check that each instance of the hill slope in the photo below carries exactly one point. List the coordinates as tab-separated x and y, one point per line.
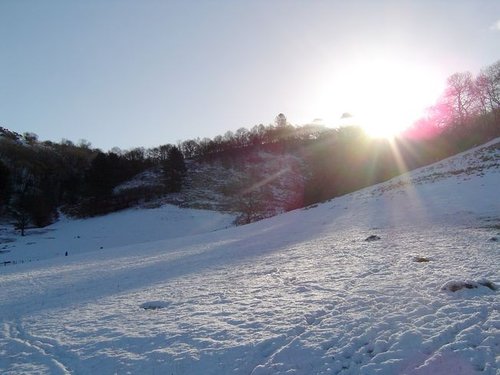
132	226
366	283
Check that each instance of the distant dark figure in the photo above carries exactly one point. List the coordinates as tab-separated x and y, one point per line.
66	254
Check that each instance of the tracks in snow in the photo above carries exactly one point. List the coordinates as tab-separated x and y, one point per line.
393	326
32	355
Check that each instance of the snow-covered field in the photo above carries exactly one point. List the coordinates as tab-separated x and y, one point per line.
300	293
133	226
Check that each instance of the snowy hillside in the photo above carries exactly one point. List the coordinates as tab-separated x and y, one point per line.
399	278
218	184
127	227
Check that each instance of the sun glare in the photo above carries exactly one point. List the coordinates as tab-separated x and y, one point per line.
382	96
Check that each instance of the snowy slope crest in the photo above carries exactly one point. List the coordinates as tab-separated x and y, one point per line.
364	284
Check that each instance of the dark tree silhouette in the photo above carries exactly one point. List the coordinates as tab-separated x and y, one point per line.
174	170
4	185
103	174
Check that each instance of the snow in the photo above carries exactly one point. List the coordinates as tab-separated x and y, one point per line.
133	226
299	293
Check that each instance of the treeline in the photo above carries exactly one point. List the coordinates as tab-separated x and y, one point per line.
39	178
278	137
468	108
467	114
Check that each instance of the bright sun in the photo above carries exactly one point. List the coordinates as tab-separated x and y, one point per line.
383	96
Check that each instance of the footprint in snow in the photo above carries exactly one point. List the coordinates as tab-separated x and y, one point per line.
154	305
371	238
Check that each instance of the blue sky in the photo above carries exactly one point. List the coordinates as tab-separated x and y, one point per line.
143	73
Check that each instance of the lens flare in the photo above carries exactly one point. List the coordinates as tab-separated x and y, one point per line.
383	96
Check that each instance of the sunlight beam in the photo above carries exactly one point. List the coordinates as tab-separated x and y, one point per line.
383	95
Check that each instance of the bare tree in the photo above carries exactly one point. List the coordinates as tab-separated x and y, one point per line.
250	206
488	87
21	204
190	148
460	96
242	136
280	120
21	215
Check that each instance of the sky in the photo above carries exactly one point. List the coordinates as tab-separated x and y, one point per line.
143	73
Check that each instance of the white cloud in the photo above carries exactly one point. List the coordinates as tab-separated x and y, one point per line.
496	26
